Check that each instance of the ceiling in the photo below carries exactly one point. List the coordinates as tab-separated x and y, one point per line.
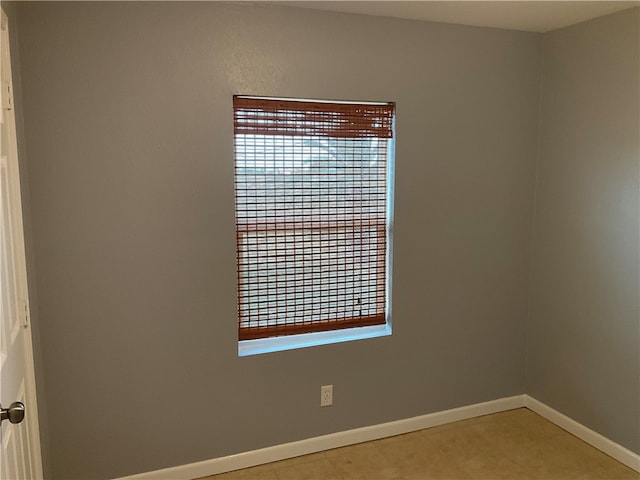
536	16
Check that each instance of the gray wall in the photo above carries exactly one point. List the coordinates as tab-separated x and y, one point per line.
583	332
128	125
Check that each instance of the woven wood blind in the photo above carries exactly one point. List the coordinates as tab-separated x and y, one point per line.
315	119
311	215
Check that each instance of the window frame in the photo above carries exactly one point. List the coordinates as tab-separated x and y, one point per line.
340	333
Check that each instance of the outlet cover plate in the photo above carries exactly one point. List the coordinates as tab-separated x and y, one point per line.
326	395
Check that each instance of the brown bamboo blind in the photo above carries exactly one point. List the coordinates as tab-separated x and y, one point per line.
311	215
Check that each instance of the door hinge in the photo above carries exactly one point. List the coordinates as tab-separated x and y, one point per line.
7	96
25	318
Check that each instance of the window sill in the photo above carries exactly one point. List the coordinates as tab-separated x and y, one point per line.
290	342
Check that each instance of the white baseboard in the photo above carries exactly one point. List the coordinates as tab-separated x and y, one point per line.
611	448
375	432
327	442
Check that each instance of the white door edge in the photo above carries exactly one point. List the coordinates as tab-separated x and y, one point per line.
21	271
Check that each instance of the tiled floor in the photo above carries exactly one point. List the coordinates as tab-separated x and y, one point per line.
517	444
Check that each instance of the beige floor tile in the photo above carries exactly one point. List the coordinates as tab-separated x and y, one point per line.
514	428
612	470
405	449
365	461
565	457
516	445
491	467
459	443
263	472
316	469
431	470
418	457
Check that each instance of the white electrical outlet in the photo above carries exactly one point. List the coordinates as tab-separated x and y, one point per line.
326	395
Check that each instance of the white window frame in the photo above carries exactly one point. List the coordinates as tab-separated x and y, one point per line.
303	340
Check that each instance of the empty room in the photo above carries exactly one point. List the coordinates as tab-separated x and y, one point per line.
320	240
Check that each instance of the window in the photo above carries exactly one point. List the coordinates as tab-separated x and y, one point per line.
312	189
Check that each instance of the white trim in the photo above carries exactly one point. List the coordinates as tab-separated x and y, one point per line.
602	443
398	427
291	342
326	442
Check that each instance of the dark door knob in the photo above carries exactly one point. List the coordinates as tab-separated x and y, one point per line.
15	412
